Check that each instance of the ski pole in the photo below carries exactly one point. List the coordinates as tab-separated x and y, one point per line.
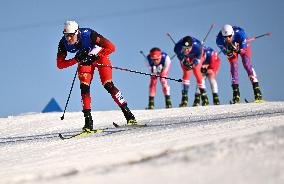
138	72
141	52
62	117
172	57
169	35
211	27
259	36
254	38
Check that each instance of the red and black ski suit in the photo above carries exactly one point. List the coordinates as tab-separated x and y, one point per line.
99	46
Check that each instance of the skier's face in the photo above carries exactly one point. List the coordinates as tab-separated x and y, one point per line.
71	38
186	50
157	60
156	56
229	39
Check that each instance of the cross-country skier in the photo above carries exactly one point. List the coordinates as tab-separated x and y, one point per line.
159	64
232	41
209	69
190	52
92	50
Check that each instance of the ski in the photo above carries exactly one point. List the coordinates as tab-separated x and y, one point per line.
247	101
255	101
130	126
83	133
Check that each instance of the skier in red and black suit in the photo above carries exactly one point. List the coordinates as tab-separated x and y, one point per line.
92	51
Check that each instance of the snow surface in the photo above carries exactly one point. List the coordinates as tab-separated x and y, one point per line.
223	144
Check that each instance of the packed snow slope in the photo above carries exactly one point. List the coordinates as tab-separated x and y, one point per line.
223	144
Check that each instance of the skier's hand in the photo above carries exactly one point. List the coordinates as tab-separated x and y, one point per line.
234	47
186	63
82	55
204	70
154	70
229	52
89	60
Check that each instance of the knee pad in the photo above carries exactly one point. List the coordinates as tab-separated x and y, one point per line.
109	87
85	89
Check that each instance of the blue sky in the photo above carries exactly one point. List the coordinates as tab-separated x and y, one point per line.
30	32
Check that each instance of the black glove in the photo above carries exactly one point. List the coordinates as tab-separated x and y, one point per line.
84	58
89	60
233	48
186	64
229	51
82	54
204	70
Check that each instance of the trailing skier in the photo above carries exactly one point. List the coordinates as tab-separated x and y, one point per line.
190	52
159	64
209	69
232	41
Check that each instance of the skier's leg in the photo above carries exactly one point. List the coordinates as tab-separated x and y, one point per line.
201	84
214	86
106	80
152	91
166	92
185	87
235	78
85	77
246	59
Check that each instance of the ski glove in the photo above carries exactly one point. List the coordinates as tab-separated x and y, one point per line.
204	70
233	48
89	60
186	63
156	69
84	58
229	52
82	54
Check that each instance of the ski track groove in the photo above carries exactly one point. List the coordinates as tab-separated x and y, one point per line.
167	123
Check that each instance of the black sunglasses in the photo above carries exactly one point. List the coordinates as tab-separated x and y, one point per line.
69	34
228	36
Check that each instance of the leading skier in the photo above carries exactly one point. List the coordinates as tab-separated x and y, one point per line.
92	51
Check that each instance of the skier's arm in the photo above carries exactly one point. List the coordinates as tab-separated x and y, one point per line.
61	55
198	54
147	62
243	43
166	67
221	45
101	41
177	50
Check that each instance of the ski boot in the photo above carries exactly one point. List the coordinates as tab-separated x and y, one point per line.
196	100
128	115
151	103
184	99
216	100
236	94
204	97
257	92
168	101
88	120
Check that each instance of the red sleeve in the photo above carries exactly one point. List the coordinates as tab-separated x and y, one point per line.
101	41
61	55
